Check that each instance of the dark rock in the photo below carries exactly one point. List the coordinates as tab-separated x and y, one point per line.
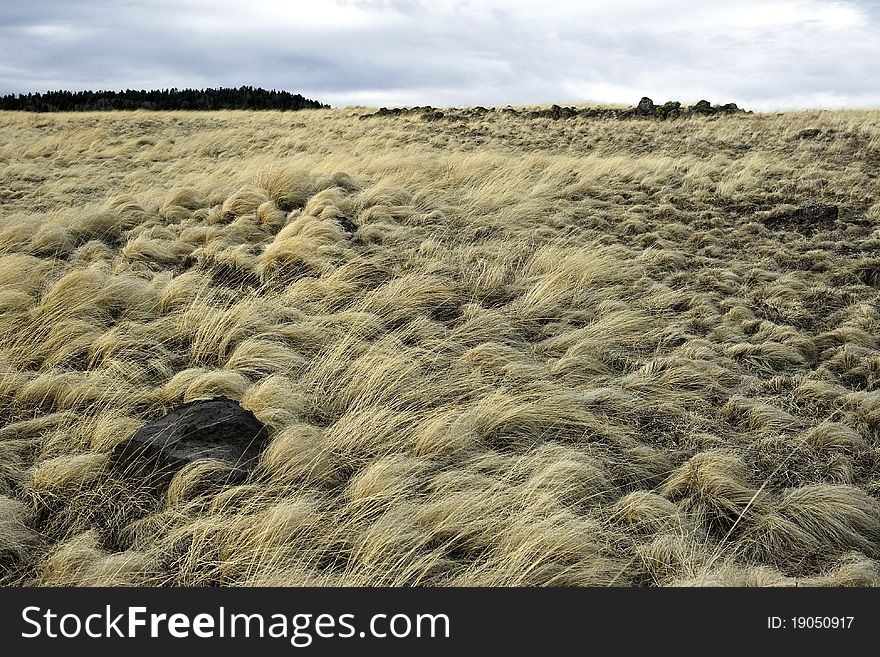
730	108
217	428
819	213
555	112
662	111
702	107
347	224
809	217
645	107
809	133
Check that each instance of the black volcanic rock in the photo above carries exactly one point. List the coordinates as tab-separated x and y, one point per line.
807	218
645	107
217	428
702	107
555	112
347	224
818	214
672	109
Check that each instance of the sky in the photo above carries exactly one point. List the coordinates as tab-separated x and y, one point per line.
764	55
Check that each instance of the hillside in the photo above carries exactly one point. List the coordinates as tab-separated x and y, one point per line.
492	348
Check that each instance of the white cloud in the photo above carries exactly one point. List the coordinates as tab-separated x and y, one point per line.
758	53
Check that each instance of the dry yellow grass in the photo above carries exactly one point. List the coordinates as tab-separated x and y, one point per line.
501	351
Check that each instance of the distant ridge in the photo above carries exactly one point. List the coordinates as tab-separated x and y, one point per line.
223	98
644	109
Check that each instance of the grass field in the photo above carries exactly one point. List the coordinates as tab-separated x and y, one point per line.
496	351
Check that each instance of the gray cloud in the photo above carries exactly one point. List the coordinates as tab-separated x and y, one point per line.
764	54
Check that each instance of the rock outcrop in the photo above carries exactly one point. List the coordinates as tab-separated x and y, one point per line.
644	109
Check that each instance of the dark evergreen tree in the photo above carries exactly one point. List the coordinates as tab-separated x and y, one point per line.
245	97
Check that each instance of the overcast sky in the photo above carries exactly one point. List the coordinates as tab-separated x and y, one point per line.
761	54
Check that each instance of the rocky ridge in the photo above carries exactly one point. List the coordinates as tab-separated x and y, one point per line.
645	109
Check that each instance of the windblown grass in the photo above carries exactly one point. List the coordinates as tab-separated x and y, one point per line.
501	351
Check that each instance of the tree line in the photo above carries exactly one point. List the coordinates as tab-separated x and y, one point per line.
224	98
